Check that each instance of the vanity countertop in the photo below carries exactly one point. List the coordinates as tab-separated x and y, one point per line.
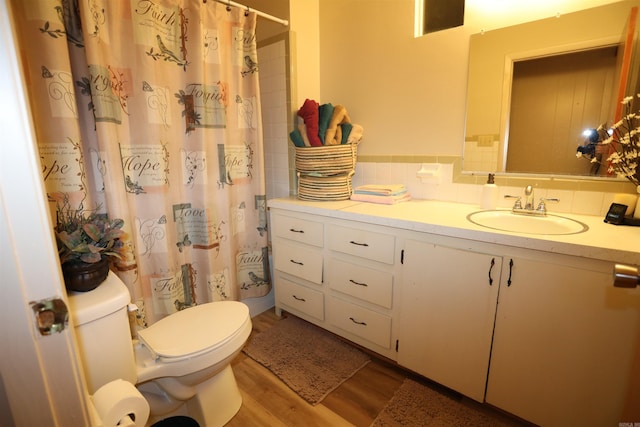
620	244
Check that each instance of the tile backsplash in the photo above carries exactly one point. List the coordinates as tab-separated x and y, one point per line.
578	202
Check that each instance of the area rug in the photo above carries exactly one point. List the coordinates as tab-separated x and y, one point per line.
414	404
310	360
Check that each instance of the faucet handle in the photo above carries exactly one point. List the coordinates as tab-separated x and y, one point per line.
542	206
518	203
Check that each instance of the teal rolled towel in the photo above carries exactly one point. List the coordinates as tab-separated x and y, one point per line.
325	112
346	130
296	138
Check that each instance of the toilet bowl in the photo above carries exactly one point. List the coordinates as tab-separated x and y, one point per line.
180	364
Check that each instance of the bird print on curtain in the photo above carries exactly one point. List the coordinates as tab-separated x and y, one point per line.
151	111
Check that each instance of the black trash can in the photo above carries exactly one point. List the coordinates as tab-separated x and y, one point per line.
177	422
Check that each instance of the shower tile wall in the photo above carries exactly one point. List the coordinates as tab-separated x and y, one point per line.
273	93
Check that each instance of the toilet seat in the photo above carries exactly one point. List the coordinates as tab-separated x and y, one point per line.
194	331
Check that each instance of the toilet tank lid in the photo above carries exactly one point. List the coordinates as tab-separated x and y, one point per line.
109	297
195	330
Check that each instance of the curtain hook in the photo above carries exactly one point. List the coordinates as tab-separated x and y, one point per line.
229	6
247	12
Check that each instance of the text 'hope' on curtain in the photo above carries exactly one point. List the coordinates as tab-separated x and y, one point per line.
151	111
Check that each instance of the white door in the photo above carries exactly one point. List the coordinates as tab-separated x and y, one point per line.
40	377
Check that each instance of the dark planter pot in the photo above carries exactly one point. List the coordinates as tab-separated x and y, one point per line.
82	277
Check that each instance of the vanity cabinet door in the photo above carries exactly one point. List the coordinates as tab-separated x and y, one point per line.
298	260
367	244
300	298
302	230
372	326
447	315
564	343
364	283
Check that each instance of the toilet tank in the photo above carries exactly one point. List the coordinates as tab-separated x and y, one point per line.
102	329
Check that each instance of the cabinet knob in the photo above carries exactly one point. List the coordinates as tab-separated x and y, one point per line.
625	276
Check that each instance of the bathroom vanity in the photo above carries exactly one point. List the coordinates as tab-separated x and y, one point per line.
531	324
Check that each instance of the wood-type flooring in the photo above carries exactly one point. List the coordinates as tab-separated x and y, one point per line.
268	402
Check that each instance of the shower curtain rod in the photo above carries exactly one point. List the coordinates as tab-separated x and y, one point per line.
257	12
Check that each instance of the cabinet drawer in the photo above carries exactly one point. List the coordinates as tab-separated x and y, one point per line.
374	246
298	260
299	230
300	298
367	324
361	282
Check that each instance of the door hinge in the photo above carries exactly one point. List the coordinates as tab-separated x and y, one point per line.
402	257
397	345
51	315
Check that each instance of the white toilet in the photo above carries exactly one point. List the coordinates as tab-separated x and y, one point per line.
180	364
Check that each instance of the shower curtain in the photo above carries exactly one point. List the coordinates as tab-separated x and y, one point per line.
149	111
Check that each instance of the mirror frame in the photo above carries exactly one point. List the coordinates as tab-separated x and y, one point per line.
601	40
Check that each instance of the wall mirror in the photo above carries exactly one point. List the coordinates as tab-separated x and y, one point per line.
533	88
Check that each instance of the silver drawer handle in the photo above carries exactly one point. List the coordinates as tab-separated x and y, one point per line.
356	322
359	244
299	299
293	230
357	283
296	262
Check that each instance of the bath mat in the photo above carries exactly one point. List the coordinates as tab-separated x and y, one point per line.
417	405
308	359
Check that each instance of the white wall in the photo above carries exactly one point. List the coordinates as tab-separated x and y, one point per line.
410	93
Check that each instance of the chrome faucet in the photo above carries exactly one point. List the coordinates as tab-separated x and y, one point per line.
529	199
529	207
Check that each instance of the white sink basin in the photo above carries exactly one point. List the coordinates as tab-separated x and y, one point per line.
505	220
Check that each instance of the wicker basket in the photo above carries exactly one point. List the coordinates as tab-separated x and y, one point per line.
319	188
327	160
325	173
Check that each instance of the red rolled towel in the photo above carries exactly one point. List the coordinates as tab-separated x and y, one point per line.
310	115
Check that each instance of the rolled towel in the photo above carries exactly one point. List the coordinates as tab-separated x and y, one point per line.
303	131
309	112
334	132
346	131
325	112
296	138
355	135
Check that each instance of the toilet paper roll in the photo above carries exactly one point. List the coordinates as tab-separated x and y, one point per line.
626	199
117	399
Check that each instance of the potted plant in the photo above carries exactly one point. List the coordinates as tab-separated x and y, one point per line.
87	242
